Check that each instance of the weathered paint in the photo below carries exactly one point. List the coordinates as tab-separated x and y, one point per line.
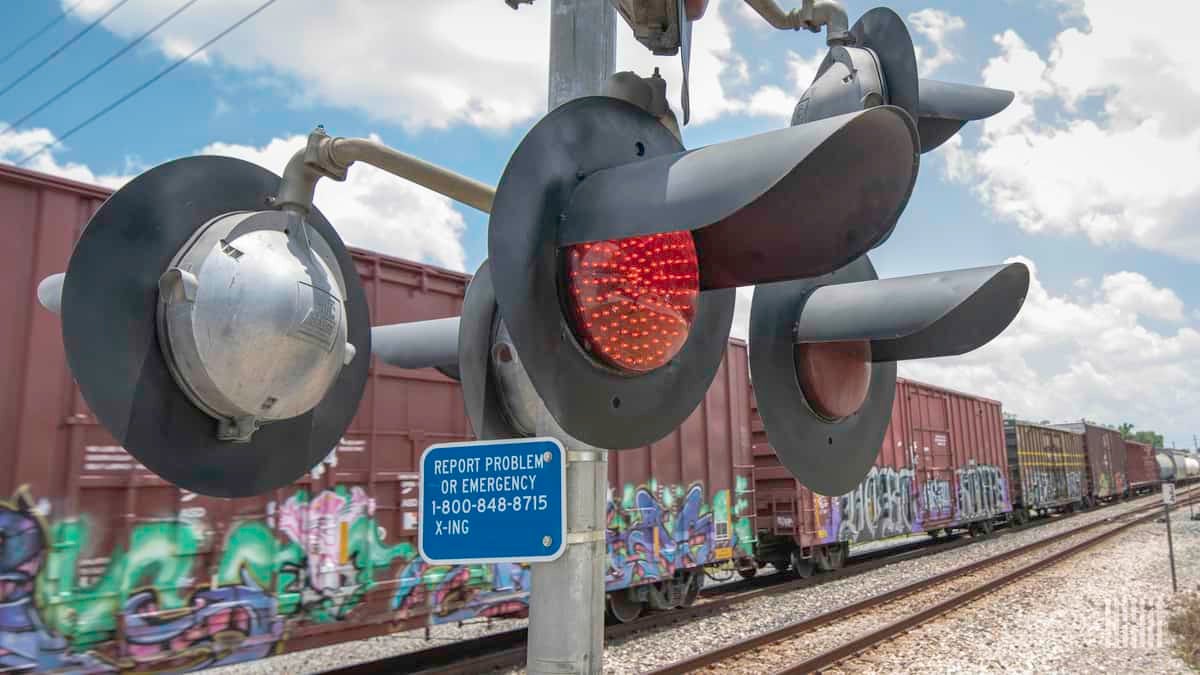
1105	450
941	464
1141	466
1048	466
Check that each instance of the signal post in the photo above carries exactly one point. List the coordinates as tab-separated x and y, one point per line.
566	600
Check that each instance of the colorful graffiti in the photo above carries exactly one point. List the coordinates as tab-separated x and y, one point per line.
981	492
883	505
172	595
890	502
452	593
655	530
938	503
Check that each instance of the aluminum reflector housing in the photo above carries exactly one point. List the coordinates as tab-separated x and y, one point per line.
110	331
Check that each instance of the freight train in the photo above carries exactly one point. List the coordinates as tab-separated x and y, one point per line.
105	567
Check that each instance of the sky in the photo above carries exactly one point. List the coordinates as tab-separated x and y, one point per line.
1089	177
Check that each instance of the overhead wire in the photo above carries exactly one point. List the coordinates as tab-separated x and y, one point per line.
138	89
38	33
49	57
133	43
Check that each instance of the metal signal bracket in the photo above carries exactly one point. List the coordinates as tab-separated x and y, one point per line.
330	157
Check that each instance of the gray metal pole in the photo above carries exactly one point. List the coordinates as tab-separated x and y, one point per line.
566	604
583	38
1170	547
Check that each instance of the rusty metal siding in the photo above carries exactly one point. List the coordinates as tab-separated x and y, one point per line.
942	463
1049	465
1106	458
1141	467
40	218
690	493
132	571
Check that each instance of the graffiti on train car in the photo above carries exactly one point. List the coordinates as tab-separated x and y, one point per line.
1052	482
892	501
147	604
938	502
882	505
654	530
981	491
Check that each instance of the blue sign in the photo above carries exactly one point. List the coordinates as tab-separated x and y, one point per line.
493	502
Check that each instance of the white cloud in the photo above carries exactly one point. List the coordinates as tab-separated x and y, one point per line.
1064	358
371	209
1133	292
1122	175
433	64
426	64
773	101
15	146
938	28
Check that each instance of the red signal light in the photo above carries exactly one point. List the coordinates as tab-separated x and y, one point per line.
631	301
834	376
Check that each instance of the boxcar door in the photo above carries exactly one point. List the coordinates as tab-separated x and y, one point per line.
931	431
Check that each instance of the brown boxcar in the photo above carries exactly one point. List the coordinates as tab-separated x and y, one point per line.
106	567
1142	470
1105	459
942	466
1047	468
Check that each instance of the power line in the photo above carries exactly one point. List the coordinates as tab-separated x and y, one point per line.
38	33
93	71
63	48
105	110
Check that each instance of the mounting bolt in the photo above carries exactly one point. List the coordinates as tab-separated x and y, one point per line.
548	456
546	541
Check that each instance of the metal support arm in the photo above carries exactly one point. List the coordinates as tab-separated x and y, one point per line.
329	157
417	344
811	16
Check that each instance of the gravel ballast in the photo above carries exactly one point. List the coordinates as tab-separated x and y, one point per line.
1104	610
646	651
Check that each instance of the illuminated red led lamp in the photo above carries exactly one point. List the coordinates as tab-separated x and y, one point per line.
631	302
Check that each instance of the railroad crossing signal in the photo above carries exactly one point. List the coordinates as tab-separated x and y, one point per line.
614	252
218	328
222	342
823	350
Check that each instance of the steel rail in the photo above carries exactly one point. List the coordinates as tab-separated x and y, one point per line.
861	643
799	627
507	649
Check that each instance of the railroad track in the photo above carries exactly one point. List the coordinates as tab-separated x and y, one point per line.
506	650
757	652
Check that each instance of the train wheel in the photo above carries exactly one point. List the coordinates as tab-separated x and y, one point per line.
748	572
986	527
801	566
693	589
1020	517
936	534
832	557
622	608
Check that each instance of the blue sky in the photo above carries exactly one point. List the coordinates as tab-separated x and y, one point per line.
1083	177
